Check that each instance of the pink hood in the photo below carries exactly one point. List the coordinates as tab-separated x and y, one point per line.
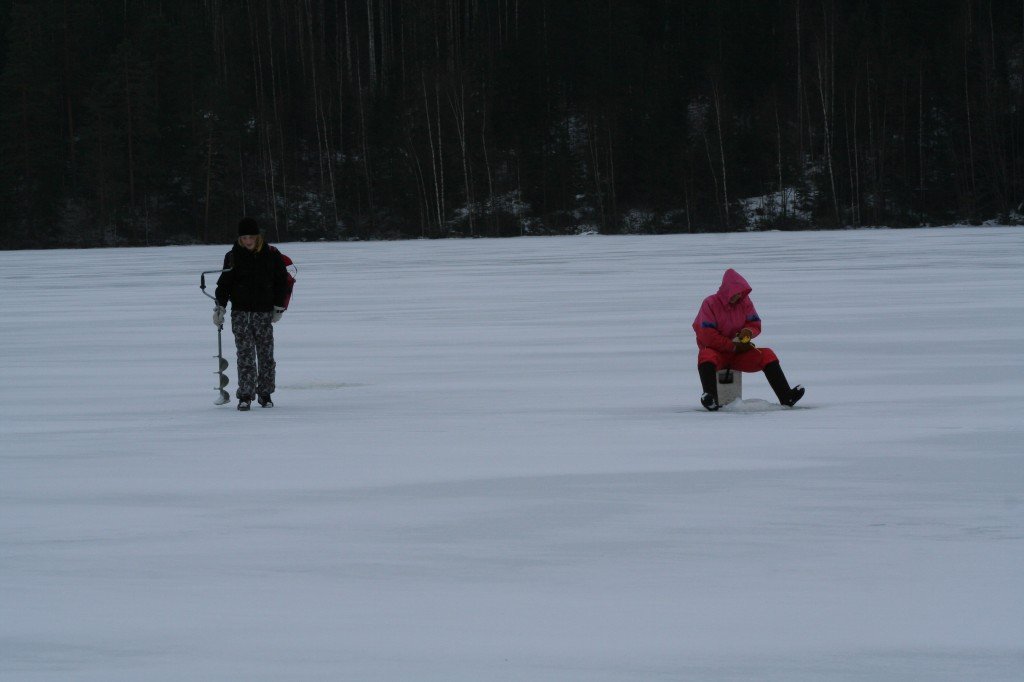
732	284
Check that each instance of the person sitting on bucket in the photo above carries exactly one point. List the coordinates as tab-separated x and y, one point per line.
725	327
256	283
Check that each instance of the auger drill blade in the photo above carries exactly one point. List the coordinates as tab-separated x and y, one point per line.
222	398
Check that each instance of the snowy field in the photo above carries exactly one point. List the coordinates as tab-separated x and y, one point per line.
488	462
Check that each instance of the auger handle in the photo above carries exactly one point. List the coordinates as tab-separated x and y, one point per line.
202	281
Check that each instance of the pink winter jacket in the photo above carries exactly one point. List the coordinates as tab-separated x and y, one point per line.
719	321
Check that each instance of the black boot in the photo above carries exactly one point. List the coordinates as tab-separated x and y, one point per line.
709	383
777	380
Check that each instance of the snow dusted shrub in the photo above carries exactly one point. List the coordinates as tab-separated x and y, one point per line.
637	221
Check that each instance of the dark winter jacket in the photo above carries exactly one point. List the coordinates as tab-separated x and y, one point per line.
256	282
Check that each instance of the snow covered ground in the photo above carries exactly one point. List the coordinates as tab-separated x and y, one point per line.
488	462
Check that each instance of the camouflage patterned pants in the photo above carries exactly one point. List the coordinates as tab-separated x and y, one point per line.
254	341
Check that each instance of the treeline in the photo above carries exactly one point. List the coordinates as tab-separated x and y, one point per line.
164	121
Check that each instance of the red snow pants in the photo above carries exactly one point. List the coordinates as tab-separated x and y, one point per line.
753	360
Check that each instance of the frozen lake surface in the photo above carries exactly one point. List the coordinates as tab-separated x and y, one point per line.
488	462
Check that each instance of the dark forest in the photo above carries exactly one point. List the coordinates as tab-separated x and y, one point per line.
148	122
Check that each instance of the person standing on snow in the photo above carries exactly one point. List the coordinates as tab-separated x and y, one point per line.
725	326
255	281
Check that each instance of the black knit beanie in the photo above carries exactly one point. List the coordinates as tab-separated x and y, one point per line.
247	226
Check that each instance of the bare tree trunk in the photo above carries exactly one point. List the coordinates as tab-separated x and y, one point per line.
279	129
344	50
435	174
128	132
827	131
69	102
330	173
714	175
433	152
783	198
101	176
799	89
421	188
269	176
595	161
973	189
436	148
265	149
854	153
721	151
209	173
241	182
386	45
366	150
611	171
920	144
321	138
442	209
686	201
491	208
371	46
458	106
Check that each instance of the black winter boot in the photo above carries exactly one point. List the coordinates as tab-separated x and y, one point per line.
777	380
709	383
